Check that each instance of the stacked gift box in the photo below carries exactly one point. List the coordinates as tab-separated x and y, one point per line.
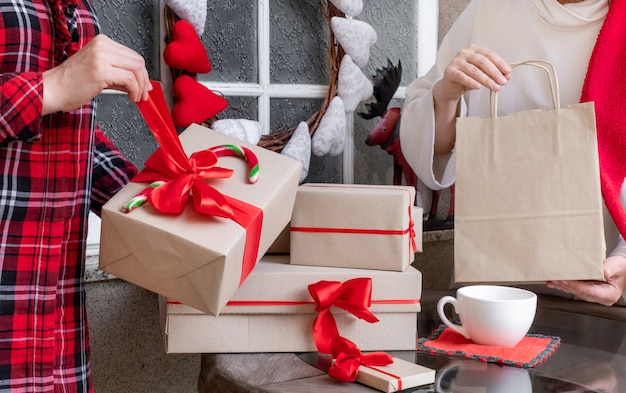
206	254
348	232
273	311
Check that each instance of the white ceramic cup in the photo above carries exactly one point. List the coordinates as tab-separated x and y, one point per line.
478	377
491	314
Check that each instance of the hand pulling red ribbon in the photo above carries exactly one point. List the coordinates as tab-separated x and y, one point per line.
354	296
183	175
348	359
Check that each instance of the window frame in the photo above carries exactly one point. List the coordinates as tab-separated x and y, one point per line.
427	17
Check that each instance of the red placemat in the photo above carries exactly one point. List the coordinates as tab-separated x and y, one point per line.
531	351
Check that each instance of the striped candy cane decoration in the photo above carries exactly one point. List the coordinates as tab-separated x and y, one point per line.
220	151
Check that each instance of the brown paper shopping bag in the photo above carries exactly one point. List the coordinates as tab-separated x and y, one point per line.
528	205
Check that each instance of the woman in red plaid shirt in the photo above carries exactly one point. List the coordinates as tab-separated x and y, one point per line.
55	163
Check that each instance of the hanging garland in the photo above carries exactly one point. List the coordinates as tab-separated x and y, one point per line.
324	131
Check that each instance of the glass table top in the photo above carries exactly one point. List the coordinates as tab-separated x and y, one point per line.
591	358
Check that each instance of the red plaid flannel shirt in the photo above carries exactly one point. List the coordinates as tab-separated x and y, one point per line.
52	169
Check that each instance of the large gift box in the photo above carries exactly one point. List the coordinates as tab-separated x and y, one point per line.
355	226
273	311
198	258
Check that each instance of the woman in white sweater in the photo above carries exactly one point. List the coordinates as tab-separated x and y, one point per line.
473	59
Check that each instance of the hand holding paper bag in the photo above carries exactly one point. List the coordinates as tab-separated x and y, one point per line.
528	202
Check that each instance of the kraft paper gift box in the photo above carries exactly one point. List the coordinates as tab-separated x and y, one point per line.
387	377
355	226
273	311
281	244
193	257
399	375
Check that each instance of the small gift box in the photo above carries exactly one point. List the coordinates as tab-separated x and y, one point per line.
274	311
200	254
355	226
375	369
396	376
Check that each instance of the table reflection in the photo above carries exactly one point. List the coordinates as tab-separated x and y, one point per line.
473	377
576	369
591	358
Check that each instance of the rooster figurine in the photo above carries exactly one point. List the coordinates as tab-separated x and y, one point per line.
386	134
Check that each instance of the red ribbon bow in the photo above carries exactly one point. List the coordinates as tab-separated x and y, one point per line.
184	175
181	174
354	296
348	359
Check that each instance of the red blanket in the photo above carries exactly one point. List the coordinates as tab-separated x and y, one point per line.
605	84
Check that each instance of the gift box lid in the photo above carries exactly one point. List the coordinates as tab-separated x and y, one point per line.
336	199
355	226
275	286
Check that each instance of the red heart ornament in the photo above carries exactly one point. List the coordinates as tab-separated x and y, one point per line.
194	103
185	51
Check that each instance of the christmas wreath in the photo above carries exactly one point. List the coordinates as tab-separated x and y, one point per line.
323	132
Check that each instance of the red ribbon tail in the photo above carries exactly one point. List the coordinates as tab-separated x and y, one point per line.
154	111
412	236
363	313
324	331
346	370
251	218
207	200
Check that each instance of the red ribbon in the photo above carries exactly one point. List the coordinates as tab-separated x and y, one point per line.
356	231
184	175
273	303
359	231
353	296
348	359
412	230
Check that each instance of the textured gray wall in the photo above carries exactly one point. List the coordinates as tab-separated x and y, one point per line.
135	24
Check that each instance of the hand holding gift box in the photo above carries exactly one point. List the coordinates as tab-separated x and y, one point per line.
201	254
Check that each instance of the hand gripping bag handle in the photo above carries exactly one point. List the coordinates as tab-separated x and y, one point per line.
554	84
